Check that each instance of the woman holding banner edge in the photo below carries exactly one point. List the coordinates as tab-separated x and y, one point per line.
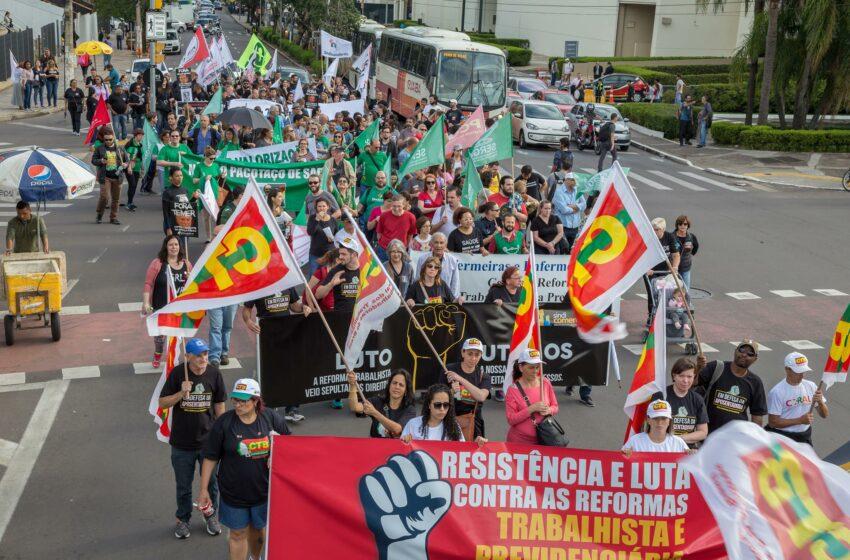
389	412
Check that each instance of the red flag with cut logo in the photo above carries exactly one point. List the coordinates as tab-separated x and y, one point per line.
650	374
616	247
196	51
247	260
100	118
526	333
469	132
162	416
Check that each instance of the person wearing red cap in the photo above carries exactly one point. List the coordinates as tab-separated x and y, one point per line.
789	403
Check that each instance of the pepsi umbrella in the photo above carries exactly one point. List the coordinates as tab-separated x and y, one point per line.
40	174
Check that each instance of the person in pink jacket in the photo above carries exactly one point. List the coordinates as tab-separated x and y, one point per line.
523	412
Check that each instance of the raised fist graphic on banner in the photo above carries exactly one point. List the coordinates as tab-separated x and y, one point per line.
444	325
404	500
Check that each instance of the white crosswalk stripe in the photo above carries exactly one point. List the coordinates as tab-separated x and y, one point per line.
786	293
4	214
802	344
687	184
713	182
648	182
762	347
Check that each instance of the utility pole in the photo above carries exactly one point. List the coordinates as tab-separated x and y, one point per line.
140	40
70	62
152	69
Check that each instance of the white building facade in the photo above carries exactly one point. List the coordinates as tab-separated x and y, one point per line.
603	28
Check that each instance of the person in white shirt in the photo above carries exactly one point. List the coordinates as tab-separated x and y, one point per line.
437	422
659	433
789	403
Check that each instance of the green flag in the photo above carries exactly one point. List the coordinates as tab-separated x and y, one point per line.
591	184
261	55
471	186
431	150
214	106
388	170
496	144
277	133
150	145
369	133
326	182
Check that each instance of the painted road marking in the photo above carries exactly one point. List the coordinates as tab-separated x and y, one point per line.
7	451
787	293
15	378
18	471
743	295
13	214
97	257
232	364
712	182
760	187
762	347
649	182
705	347
143	368
82	372
132	306
75	310
69	285
802	344
829	292
687	184
642	296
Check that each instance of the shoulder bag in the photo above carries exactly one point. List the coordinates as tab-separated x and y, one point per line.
549	431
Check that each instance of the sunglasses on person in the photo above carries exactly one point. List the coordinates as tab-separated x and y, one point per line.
747	353
686	224
432	266
312	182
444	405
110	139
430	182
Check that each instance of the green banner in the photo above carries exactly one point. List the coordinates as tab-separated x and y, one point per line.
471	186
429	151
496	144
369	133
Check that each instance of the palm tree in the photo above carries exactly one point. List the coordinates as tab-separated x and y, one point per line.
769	59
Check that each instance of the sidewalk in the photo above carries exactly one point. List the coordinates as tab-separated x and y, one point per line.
121	60
810	170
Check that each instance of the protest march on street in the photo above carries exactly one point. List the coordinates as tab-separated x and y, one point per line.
356	322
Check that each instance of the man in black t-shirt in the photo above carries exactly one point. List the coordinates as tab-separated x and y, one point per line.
732	391
470	385
117	102
454	116
192	405
343	279
535	183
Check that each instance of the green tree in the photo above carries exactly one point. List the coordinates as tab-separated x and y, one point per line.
338	17
121	9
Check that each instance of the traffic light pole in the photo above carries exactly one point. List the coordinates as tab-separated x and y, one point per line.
152	69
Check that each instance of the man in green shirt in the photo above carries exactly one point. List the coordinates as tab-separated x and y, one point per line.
509	240
372	159
373	197
23	231
171	155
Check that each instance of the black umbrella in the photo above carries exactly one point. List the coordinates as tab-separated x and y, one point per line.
243	116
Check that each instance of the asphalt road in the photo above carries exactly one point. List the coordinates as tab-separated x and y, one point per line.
82	475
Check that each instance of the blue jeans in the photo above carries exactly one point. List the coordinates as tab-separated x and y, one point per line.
37	94
703	133
678	99
51	91
119	126
686	279
28	95
583	391
183	462
221	323
138	121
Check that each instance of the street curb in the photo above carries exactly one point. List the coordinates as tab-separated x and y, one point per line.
21	115
713	171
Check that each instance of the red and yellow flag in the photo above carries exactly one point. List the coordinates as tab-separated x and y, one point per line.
838	362
247	260
650	375
526	332
616	247
162	416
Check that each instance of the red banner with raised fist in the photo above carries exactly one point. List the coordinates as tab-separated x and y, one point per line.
382	499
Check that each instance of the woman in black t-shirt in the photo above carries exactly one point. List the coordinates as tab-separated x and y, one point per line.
429	288
74	102
170	261
240	443
316	224
466	238
508	290
389	412
690	419
547	230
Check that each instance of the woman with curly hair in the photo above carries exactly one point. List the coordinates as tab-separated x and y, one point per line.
437	422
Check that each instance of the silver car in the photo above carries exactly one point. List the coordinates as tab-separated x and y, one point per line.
603	112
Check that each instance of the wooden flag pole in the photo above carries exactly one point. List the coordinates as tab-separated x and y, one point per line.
820	388
185	358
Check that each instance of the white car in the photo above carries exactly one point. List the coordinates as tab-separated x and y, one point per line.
537	122
171	45
526	87
178	26
141	65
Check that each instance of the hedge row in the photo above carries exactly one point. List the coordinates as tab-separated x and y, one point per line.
515	56
492	40
406	23
694	69
667	78
770	138
656	116
302	56
724	98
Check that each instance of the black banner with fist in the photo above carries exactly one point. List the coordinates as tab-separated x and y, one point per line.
299	364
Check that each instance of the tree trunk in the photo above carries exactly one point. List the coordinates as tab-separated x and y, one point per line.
801	105
70	61
769	60
758	8
780	101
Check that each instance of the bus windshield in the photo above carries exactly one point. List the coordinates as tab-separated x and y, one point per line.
472	78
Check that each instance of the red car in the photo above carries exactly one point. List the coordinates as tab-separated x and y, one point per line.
562	99
620	84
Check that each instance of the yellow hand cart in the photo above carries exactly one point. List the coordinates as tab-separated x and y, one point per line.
33	283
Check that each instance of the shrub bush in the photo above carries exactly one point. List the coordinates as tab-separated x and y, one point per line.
406	23
491	40
646	73
516	56
693	69
775	139
604	59
724	98
655	116
720	78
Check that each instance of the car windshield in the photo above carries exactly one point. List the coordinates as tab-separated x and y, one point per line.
560	98
141	65
606	112
471	78
530	86
545	112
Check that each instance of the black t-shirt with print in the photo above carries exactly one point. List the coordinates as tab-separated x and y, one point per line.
401	415
547	232
670	245
731	396
460	242
275	305
243	452
345	294
688	411
466	403
192	418
422	294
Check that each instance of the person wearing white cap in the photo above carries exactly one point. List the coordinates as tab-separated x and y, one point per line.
659	432
567	203
471	388
240	444
789	403
523	406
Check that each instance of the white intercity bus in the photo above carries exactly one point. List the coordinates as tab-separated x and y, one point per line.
416	62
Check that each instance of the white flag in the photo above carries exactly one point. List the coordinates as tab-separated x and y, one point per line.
299	92
209	201
330	73
334	47
226	57
363	61
772	498
273	66
13	64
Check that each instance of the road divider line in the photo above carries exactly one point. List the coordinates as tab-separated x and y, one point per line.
75	310
687	184
7	451
82	372
742	295
705	347
69	285
144	368
647	181
829	292
14	378
713	182
97	257
787	293
29	448
131	306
